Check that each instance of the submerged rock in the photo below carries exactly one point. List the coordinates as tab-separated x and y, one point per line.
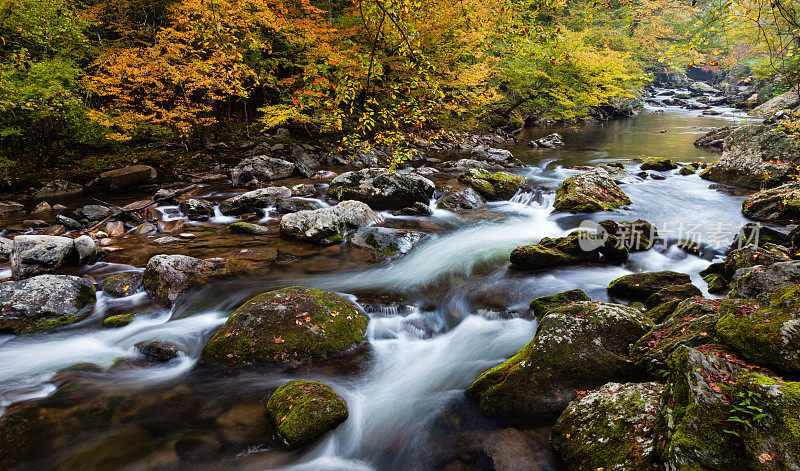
44	302
304	410
384	243
328	225
640	286
544	304
775	204
589	192
167	276
253	201
294	324
755	156
294	204
122	284
381	189
158	352
493	186
612	427
576	347
260	169
453	199
248	228
500	157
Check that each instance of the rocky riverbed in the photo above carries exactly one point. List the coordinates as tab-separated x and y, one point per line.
572	299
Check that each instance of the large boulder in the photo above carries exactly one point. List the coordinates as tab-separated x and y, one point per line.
253	201
384	243
493	186
776	104
167	276
382	189
767	334
611	427
501	157
578	346
756	156
453	199
758	280
578	247
589	192
294	324
44	302
127	177
717	413
774	204
544	304
328	225
303	410
260	169
37	254
640	286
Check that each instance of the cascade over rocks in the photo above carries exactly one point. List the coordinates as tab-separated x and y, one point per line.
589	192
493	186
577	346
44	302
381	189
328	225
260	169
303	410
290	325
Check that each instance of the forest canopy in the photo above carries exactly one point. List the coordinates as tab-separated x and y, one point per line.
88	74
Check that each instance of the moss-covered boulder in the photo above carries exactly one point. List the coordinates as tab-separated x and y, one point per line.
577	247
755	233
304	410
774	204
640	286
692	324
767	334
612	427
658	164
493	186
44	302
636	236
755	156
384	243
118	320
248	228
382	189
577	346
689	169
717	413
761	280
751	255
672	293
589	192
544	304
294	324
121	285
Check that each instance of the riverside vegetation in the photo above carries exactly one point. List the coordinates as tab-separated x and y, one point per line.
274	235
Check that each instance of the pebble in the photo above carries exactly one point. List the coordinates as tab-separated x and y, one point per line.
186	235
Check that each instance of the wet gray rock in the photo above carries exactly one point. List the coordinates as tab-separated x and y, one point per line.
58	189
197	209
127	177
86	250
382	189
454	199
304	162
44	302
611	427
254	201
167	276
462	165
640	286
248	228
551	141
121	285
34	254
69	223
95	212
754	281
295	204
496	156
262	169
11	207
328	225
418	209
6	246
159	352
384	243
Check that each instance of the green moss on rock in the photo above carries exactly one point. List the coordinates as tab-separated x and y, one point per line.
544	304
658	164
119	320
293	324
304	410
590	192
640	286
493	186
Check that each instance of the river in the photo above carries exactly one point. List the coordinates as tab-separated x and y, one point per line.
440	316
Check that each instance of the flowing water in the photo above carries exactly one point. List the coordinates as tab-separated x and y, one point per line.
440	316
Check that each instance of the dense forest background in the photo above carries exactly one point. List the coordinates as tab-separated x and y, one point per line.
80	77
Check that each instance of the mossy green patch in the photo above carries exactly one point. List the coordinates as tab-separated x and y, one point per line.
304	410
